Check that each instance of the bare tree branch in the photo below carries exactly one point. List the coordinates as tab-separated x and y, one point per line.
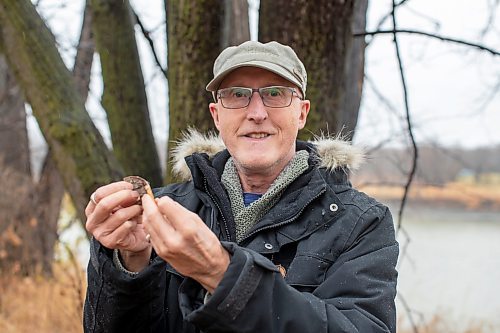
146	34
409	311
84	54
388	15
442	38
491	18
408	119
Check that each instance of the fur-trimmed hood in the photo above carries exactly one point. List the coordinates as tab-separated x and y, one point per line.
333	152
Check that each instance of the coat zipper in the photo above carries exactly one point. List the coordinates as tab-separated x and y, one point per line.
293	218
226	229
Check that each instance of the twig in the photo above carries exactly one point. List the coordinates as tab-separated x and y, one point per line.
404	252
408	119
146	34
428	34
388	15
415	152
408	311
491	18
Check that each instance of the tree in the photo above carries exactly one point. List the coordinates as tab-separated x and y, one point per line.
29	235
236	28
78	149
124	97
321	32
197	32
193	34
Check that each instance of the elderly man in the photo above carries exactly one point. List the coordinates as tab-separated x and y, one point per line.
266	234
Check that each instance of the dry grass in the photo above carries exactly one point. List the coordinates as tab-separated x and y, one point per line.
468	196
54	305
43	305
438	324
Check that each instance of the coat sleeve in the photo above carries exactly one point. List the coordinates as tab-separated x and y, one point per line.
357	294
118	302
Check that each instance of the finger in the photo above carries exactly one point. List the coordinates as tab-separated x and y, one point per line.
179	217
154	222
111	203
127	237
119	237
103	191
99	228
108	189
89	209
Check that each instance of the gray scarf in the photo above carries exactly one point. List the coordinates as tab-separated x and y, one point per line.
246	217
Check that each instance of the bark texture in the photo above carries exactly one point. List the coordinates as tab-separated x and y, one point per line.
194	30
321	34
236	27
27	247
79	152
84	54
355	73
15	172
124	97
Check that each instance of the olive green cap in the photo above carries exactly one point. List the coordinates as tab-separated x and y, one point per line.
273	56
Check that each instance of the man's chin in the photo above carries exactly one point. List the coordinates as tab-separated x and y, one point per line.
256	165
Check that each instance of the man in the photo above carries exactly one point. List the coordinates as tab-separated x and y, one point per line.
265	235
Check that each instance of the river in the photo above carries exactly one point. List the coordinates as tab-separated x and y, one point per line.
450	268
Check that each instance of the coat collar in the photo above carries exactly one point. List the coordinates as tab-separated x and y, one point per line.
332	152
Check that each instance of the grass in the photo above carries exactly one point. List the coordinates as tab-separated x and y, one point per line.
53	305
41	304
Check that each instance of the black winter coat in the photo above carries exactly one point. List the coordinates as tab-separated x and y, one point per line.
336	244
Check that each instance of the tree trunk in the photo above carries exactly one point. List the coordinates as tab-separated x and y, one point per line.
15	173
321	34
193	33
84	54
355	74
124	97
78	149
14	148
236	28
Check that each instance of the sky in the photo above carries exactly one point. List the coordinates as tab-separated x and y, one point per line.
452	96
449	85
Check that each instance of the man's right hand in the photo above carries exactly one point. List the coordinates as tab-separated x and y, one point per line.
115	220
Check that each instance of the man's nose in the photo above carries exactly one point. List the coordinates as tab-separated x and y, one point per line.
256	110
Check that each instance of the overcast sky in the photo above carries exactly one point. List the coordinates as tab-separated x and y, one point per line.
451	88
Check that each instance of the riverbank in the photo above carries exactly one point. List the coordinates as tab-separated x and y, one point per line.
459	195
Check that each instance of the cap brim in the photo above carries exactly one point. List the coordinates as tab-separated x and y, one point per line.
276	69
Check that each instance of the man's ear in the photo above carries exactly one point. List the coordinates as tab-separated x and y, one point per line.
215	113
304	111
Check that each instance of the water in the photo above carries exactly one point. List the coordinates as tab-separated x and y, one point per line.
451	267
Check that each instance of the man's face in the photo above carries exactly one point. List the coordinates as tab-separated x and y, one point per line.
260	139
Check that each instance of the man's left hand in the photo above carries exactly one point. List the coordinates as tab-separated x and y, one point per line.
182	239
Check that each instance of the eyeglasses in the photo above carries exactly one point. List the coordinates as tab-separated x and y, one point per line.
273	97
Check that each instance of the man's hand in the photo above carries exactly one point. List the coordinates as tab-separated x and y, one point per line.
182	239
114	219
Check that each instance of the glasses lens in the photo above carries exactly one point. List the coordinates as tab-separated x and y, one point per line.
235	97
276	97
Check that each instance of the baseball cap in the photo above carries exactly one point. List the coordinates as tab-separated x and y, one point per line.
272	56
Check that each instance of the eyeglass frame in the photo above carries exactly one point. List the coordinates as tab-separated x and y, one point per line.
254	90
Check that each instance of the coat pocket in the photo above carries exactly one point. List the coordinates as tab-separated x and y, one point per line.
307	271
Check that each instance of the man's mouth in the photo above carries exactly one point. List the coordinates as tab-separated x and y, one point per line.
257	135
